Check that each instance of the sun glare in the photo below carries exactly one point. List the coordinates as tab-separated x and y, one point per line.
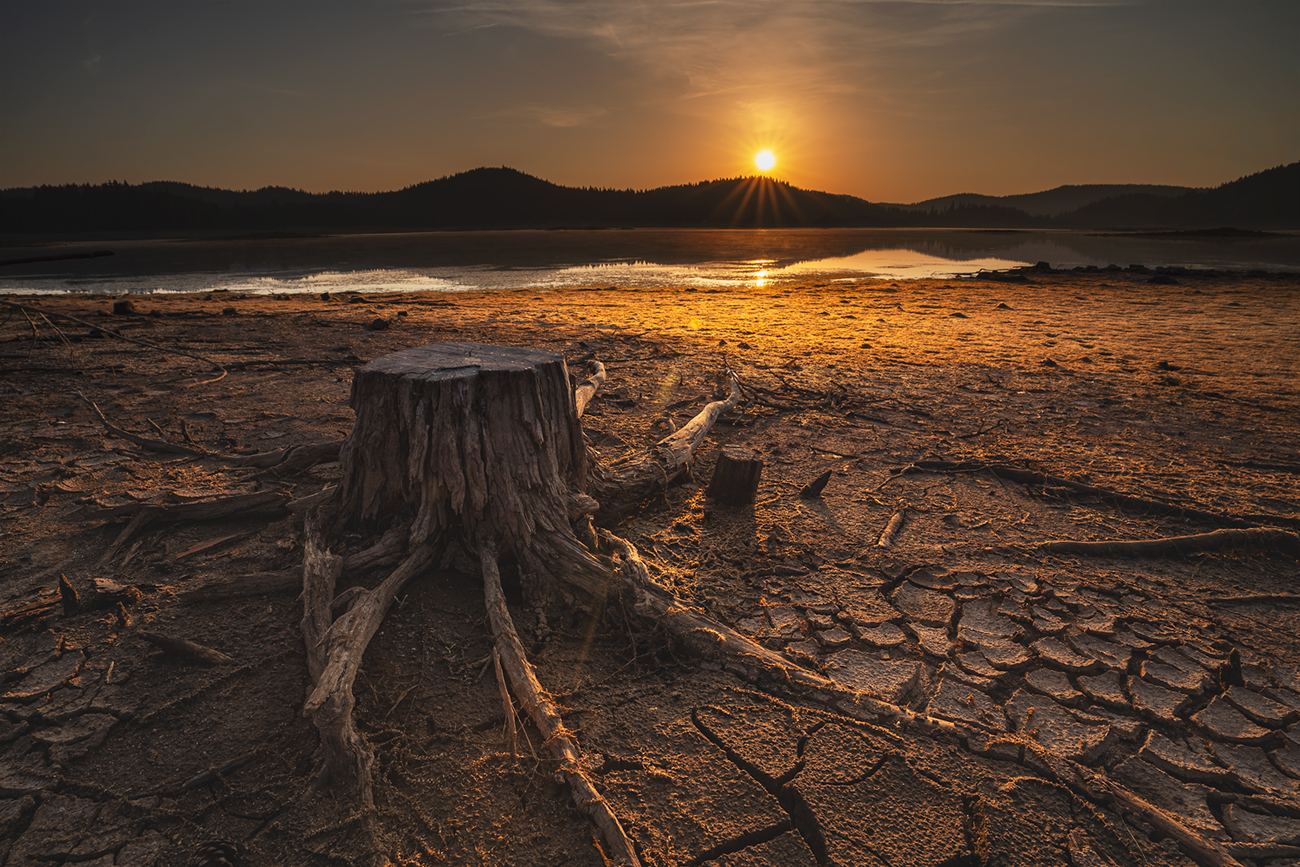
765	160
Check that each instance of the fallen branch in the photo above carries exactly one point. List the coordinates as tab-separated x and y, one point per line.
1177	546
545	715
256	504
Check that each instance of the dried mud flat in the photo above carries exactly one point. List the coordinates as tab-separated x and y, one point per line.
1175	677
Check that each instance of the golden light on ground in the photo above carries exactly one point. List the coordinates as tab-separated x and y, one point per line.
765	160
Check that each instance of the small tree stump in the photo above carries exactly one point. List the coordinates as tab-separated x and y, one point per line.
463	438
735	477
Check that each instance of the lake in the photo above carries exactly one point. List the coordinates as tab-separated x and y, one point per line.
704	258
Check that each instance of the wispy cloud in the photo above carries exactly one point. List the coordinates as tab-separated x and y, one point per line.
91	63
799	47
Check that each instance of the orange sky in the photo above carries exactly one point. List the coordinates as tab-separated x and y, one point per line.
893	101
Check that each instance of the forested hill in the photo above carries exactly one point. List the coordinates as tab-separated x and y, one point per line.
502	198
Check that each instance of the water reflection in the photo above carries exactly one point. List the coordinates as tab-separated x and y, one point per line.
706	258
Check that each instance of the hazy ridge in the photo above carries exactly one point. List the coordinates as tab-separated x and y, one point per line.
501	198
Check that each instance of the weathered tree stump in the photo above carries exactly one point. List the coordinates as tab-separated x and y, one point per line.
735	477
466	439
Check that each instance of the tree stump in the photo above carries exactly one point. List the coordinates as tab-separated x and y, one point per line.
735	477
467	439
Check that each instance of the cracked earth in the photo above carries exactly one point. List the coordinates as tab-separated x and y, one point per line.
1173	677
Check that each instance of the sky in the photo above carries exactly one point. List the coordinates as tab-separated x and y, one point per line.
890	100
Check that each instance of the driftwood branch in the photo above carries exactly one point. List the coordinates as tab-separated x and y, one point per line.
545	715
1178	546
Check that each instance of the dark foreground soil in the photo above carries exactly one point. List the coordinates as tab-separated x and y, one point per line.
1146	670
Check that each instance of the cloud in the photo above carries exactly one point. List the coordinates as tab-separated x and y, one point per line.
91	64
801	48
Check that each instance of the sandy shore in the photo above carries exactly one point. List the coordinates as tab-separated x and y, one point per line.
1178	394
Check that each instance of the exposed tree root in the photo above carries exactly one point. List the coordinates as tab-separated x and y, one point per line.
290	459
334	652
256	504
387	551
545	715
1178	546
1139	504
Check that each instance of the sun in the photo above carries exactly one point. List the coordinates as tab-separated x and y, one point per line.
765	160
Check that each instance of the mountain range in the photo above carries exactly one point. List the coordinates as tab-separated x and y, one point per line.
504	198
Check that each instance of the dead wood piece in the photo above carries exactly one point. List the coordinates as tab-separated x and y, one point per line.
1140	504
186	649
20	615
891	530
623	486
69	596
813	489
346	757
210	544
1178	546
735	477
587	389
510	651
288	459
212	774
